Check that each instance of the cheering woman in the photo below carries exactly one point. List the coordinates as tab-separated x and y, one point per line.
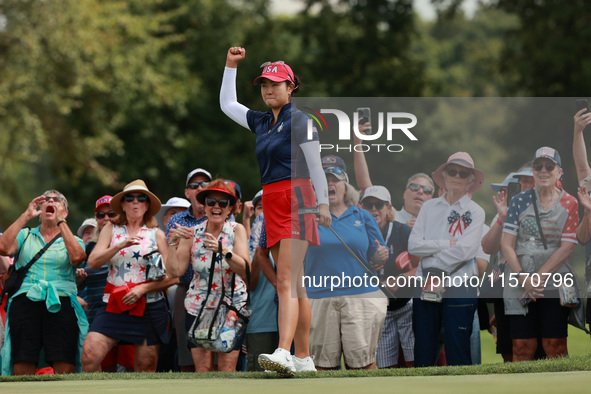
287	161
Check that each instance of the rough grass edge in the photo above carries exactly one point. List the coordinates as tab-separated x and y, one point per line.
566	364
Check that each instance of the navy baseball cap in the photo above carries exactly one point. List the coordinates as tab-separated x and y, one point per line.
236	187
333	162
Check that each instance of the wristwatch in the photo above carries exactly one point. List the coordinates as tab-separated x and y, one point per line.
228	256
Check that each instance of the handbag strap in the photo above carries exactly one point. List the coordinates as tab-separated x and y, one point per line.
33	260
247	283
40	253
533	196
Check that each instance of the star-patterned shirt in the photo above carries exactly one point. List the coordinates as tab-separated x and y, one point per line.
559	223
201	262
128	265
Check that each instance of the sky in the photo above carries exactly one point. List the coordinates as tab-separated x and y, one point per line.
423	7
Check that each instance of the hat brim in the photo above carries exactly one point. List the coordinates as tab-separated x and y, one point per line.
164	208
82	228
476	183
155	203
497	187
97	208
273	78
204	193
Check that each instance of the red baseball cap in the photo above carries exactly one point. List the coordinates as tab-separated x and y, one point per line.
102	201
276	71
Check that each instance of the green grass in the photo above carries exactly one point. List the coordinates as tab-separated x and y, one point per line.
567	375
566	382
567	364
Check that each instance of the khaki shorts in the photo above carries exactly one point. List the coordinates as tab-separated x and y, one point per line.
347	325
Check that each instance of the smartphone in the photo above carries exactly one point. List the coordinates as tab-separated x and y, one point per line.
582	103
513	189
364	116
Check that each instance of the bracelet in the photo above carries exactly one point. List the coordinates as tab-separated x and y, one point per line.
173	244
499	222
61	221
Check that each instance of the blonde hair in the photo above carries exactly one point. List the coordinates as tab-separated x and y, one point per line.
351	195
391	215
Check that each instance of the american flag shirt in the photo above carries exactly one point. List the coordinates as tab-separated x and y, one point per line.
559	223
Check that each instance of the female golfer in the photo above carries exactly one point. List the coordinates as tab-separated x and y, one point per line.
287	160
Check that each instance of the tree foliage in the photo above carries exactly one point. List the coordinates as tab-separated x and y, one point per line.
97	93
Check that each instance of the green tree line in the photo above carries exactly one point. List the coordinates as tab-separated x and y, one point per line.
94	94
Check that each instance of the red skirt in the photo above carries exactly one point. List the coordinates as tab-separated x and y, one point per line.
281	202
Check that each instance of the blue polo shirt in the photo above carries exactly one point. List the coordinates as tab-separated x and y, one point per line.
278	147
330	264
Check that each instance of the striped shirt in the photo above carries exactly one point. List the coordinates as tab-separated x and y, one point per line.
53	265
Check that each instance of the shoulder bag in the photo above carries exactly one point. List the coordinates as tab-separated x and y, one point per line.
220	327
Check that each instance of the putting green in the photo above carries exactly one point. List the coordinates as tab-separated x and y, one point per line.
563	382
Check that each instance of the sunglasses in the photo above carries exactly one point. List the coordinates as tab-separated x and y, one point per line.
56	199
550	166
101	215
291	79
223	203
138	197
370	205
333	170
415	187
195	185
463	174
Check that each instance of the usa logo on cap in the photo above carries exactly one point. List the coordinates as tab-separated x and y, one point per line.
103	200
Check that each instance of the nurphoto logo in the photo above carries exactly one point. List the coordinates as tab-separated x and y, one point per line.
392	128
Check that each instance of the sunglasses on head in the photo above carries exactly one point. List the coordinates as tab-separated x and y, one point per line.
223	202
453	172
370	205
334	170
139	197
195	185
415	187
101	215
550	166
56	199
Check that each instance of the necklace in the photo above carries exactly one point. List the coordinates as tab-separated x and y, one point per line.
548	203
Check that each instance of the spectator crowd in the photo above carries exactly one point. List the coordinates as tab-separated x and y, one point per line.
435	272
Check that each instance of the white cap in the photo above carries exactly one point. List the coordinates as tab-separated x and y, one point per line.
173	202
195	172
257	197
85	224
379	192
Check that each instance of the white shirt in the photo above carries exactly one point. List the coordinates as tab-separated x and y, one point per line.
437	224
402	216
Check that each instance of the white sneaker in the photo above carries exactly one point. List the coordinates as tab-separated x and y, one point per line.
280	361
304	364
